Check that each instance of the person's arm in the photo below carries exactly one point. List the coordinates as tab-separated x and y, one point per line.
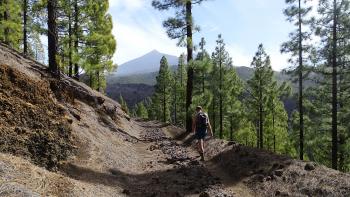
193	124
210	130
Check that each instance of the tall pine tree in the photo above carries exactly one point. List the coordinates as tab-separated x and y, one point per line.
163	91
296	13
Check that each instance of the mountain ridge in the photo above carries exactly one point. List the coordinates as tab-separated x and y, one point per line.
148	62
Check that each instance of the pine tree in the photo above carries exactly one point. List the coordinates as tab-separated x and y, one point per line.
141	111
297	14
123	104
181	27
277	119
222	62
332	28
234	111
163	91
203	67
179	109
33	19
258	89
100	43
10	23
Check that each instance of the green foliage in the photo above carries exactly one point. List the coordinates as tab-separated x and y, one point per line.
100	42
141	111
265	107
123	104
161	99
179	93
10	23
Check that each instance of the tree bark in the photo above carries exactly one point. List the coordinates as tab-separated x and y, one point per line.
220	95
76	41
190	69
6	18
25	36
52	37
164	104
261	133
334	89
214	115
231	128
175	102
301	110
70	66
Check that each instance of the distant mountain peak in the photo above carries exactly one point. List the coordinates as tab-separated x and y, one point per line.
154	51
148	62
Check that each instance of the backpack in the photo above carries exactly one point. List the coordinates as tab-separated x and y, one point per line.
202	120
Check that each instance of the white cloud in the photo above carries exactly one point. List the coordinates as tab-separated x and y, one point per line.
239	56
127	4
138	30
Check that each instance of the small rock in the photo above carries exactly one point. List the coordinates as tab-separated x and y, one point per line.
194	163
231	143
268	178
153	147
259	177
278	172
204	194
309	166
126	191
279	193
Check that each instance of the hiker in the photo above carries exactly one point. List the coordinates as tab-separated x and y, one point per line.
200	125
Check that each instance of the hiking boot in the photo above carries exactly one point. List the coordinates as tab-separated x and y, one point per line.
202	156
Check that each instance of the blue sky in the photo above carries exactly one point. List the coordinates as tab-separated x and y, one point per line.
243	24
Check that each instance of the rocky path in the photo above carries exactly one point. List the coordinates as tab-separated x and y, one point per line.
185	174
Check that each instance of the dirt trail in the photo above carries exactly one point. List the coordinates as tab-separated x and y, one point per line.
157	166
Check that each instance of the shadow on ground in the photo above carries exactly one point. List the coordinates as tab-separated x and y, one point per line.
191	178
174	182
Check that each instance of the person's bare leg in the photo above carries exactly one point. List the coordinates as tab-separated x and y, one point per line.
201	143
201	149
199	146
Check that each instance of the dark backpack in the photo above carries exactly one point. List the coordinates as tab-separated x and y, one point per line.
202	120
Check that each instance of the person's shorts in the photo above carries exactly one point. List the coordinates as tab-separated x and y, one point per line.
201	133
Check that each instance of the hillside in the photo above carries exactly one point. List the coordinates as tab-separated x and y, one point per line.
60	138
132	93
136	87
149	78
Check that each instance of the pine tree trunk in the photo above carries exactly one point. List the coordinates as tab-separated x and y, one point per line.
6	18
203	83
301	111
98	81
220	97
76	41
70	66
231	128
257	134
214	116
342	142
334	90
52	37
190	69
261	136
25	36
274	132
164	105
175	102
